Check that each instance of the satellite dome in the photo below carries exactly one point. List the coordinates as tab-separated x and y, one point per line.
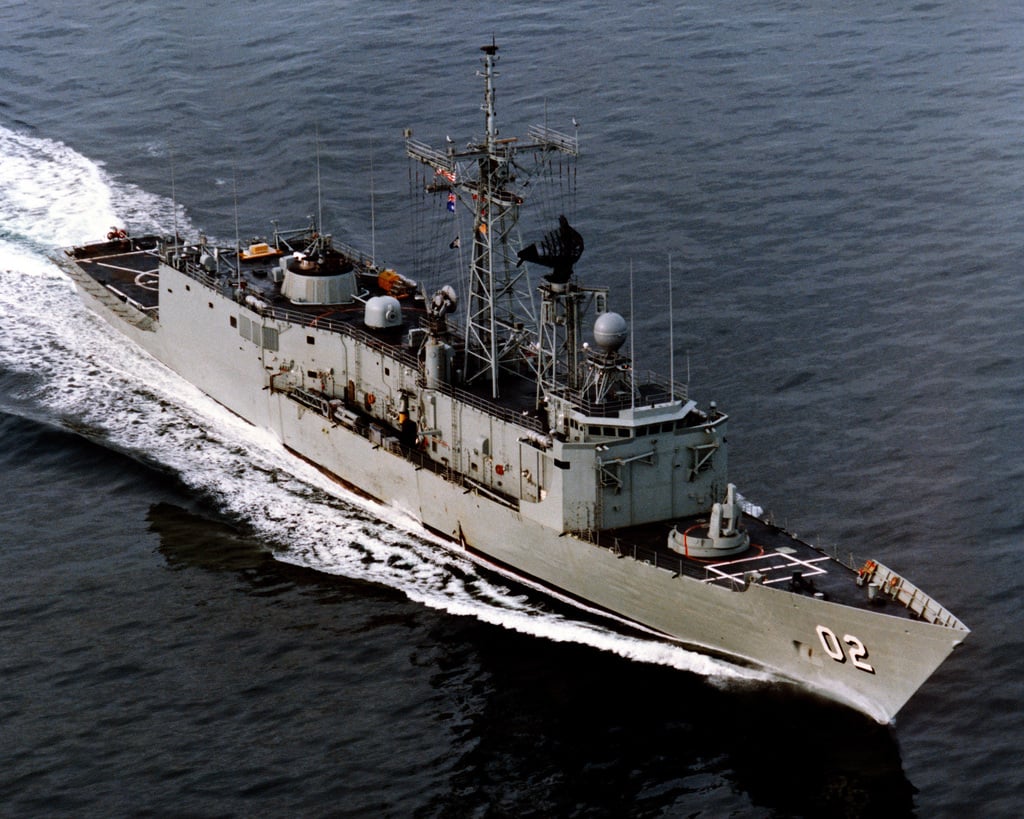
610	331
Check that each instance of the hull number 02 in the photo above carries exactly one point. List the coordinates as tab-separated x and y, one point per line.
849	646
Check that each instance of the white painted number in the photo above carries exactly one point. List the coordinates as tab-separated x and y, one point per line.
858	653
831	644
835	650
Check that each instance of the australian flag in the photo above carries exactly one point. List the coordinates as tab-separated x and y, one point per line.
451	203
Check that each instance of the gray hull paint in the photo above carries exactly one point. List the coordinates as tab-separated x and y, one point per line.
759	625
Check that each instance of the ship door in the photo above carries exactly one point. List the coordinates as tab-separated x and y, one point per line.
530	466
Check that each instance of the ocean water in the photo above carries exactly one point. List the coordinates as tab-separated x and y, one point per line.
192	622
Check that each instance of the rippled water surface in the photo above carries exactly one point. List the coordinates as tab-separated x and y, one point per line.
194	623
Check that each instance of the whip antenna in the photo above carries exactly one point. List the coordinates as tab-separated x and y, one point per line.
319	198
632	345
238	238
174	198
671	341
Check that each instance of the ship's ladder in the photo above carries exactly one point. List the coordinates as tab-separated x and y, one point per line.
456	439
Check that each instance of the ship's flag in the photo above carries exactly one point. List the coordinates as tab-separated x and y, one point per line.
449	175
451	203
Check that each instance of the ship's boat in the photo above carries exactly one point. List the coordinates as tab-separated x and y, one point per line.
512	422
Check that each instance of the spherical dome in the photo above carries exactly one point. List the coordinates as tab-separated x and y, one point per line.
610	331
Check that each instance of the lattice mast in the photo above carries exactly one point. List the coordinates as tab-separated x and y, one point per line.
494	217
488	178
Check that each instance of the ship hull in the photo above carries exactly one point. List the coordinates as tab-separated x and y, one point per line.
757	625
863	658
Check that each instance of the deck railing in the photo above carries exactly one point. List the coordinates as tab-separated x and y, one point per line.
901	590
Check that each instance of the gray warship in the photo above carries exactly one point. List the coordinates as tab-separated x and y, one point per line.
514	424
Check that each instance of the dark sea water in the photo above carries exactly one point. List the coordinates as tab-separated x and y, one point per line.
192	623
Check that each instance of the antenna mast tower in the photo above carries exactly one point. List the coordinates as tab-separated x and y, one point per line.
489	178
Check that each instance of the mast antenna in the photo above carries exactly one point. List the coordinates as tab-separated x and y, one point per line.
373	211
174	198
632	345
319	198
491	177
671	340
238	238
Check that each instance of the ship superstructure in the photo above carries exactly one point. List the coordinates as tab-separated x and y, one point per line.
510	420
